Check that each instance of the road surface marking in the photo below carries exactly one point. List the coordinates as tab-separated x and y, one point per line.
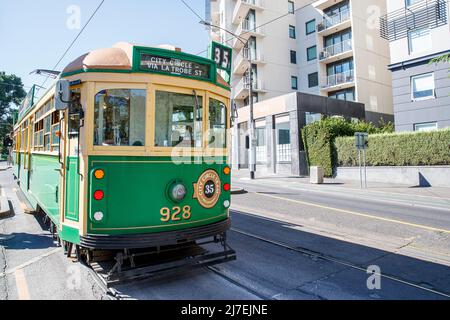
29	262
365	215
21	285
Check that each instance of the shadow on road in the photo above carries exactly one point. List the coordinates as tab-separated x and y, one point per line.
426	274
22	241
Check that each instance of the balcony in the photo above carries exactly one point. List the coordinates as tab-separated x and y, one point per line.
242	60
241	91
337	51
338	81
425	14
245	30
242	7
334	23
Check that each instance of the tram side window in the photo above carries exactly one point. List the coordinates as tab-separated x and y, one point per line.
179	120
119	117
39	135
47	125
217	124
55	129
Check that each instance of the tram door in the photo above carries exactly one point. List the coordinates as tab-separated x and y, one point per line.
72	157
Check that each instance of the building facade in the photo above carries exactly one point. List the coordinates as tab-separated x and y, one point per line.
308	59
329	48
418	31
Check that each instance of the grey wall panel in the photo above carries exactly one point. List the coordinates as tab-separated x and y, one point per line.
408	112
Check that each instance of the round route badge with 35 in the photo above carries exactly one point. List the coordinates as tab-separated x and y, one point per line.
207	189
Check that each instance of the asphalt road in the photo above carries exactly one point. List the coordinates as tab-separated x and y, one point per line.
291	244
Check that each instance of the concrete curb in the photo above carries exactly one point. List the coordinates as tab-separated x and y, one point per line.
238	191
4	207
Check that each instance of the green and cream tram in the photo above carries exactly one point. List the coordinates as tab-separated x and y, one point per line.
129	150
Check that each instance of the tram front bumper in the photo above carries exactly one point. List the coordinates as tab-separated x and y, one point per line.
149	240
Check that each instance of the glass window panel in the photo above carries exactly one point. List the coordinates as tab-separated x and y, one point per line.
419	40
120	117
217	124
423	86
179	119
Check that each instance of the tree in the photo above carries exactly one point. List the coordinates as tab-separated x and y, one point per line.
11	95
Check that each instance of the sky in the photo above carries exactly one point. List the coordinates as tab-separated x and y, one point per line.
35	34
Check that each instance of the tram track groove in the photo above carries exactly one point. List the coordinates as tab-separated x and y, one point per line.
317	255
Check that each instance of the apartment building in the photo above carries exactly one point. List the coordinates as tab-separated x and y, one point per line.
329	48
308	59
418	31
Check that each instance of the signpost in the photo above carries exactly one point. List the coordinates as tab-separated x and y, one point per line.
362	144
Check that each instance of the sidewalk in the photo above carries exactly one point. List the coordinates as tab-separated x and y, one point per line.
431	196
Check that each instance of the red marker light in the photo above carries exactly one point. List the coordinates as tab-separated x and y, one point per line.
226	187
98	195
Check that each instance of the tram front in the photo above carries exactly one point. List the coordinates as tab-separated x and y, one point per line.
155	148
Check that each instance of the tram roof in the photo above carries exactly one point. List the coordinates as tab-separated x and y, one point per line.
125	57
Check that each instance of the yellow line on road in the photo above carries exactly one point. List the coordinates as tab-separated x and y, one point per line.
21	285
365	215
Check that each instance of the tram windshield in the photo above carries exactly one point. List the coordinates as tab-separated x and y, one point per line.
179	120
120	117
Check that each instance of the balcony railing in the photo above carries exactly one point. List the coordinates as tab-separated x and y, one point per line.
331	21
336	49
338	79
243	87
424	14
242	7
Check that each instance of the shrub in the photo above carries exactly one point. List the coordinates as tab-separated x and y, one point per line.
318	139
401	149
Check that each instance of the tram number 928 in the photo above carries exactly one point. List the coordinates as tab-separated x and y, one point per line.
176	214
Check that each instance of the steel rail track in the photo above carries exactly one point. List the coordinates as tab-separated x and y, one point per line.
351	265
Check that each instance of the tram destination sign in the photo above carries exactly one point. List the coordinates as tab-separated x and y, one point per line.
174	66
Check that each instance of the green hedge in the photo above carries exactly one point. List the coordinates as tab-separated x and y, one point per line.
318	139
401	149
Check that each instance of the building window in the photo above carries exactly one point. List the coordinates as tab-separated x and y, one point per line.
119	117
346	95
294	83
424	127
310	27
419	40
311	53
291	7
292	32
409	3
422	87
283	132
313	80
293	57
255	99
311	117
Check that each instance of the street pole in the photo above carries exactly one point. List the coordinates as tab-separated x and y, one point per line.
252	135
252	150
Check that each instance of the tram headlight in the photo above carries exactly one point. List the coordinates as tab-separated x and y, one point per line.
226	204
177	192
98	216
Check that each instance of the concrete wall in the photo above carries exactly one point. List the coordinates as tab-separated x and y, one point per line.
409	112
371	58
435	176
